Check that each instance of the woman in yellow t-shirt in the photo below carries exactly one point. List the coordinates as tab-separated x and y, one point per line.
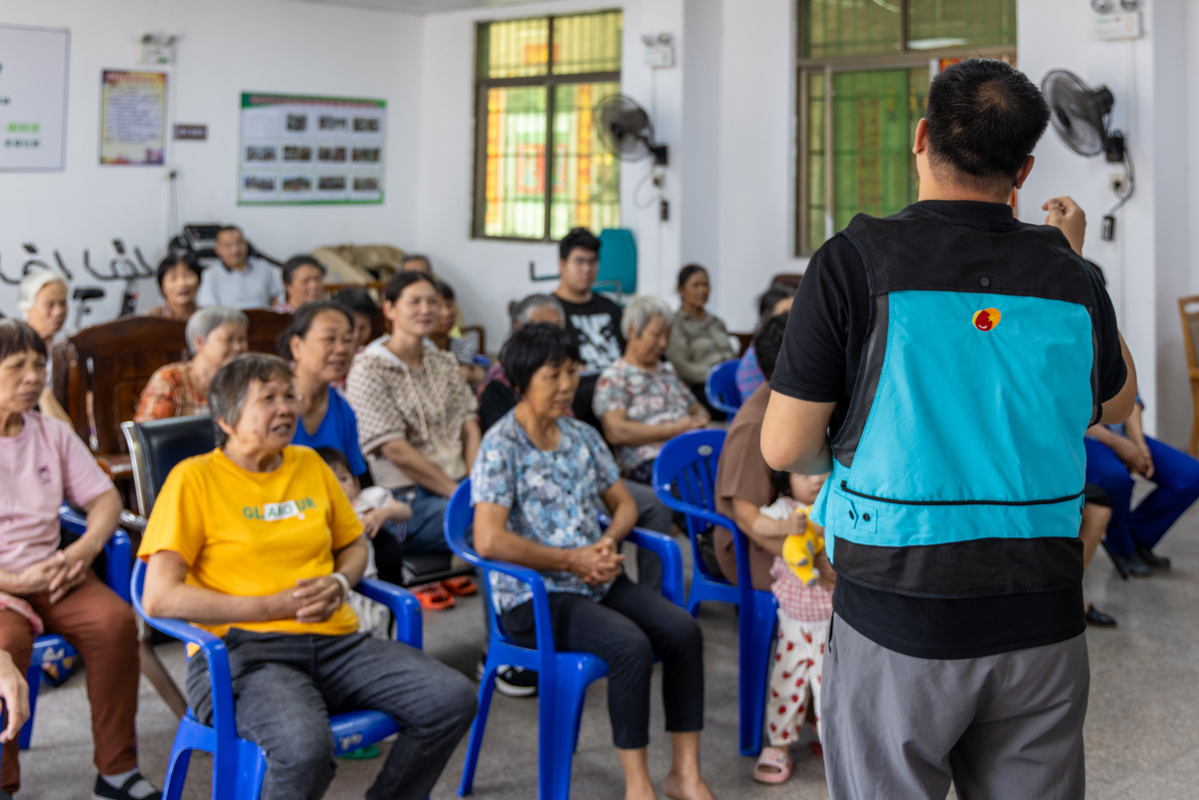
257	542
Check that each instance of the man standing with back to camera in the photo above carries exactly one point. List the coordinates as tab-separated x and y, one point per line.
956	356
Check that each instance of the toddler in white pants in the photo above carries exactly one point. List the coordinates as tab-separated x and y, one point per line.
803	620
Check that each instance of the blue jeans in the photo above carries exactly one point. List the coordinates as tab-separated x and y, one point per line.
426	532
1177	477
285	686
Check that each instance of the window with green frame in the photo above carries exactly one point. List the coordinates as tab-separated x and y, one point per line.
864	70
538	82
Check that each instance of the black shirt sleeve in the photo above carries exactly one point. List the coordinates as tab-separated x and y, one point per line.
825	330
1112	370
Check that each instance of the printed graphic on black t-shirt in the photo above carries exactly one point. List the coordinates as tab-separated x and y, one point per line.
596	326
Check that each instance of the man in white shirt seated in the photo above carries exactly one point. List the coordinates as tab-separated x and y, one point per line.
238	283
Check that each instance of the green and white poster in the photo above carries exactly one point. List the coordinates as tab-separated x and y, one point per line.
33	97
297	149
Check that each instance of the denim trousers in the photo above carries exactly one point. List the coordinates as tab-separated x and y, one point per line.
425	530
1177	477
285	686
627	628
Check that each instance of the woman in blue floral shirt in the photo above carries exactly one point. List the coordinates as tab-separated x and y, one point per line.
536	486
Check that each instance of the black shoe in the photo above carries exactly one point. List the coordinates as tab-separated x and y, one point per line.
516	681
1151	559
1098	618
106	791
1133	565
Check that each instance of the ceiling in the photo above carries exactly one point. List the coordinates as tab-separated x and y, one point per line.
424	6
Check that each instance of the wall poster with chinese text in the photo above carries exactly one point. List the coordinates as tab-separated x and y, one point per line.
133	118
33	97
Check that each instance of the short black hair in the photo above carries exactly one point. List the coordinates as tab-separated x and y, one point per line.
686	272
578	237
18	337
301	322
532	347
415	257
295	262
402	280
984	119
227	229
776	292
334	458
185	257
768	341
357	300
444	289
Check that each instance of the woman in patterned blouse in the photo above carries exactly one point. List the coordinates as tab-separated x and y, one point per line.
215	336
640	401
538	481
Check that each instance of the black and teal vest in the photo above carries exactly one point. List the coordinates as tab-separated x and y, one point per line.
959	469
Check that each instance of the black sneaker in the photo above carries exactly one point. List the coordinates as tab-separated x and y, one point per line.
516	681
1133	565
1151	559
1098	619
106	791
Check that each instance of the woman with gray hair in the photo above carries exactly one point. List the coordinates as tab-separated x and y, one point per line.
215	336
257	543
640	401
42	301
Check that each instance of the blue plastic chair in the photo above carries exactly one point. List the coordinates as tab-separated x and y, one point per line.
482	361
563	677
721	387
685	479
239	765
53	647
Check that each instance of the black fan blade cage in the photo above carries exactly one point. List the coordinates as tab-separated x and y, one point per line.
1078	112
625	127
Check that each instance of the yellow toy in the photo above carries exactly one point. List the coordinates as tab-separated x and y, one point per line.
800	550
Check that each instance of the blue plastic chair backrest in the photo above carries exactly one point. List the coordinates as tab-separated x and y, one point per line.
688	463
722	385
617	260
459	516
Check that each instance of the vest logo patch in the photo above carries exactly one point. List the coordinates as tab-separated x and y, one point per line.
986	319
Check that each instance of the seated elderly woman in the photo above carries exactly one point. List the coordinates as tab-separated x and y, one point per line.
536	487
640	401
303	282
215	336
42	464
179	281
495	393
257	542
698	340
42	300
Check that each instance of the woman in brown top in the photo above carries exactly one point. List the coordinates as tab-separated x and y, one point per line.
698	340
744	479
179	281
215	336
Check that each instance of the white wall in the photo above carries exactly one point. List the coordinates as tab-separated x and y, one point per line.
1147	263
226	47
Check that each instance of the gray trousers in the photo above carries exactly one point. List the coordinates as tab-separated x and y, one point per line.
1002	727
285	686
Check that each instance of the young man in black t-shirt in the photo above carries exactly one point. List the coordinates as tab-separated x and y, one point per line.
956	357
594	320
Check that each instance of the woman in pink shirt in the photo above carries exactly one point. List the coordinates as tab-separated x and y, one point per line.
43	588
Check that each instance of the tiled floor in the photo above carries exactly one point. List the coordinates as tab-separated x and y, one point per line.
1142	727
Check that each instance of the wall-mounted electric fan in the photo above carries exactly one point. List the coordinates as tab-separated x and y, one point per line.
1081	117
626	130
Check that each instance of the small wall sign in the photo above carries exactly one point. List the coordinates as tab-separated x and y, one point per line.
191	132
